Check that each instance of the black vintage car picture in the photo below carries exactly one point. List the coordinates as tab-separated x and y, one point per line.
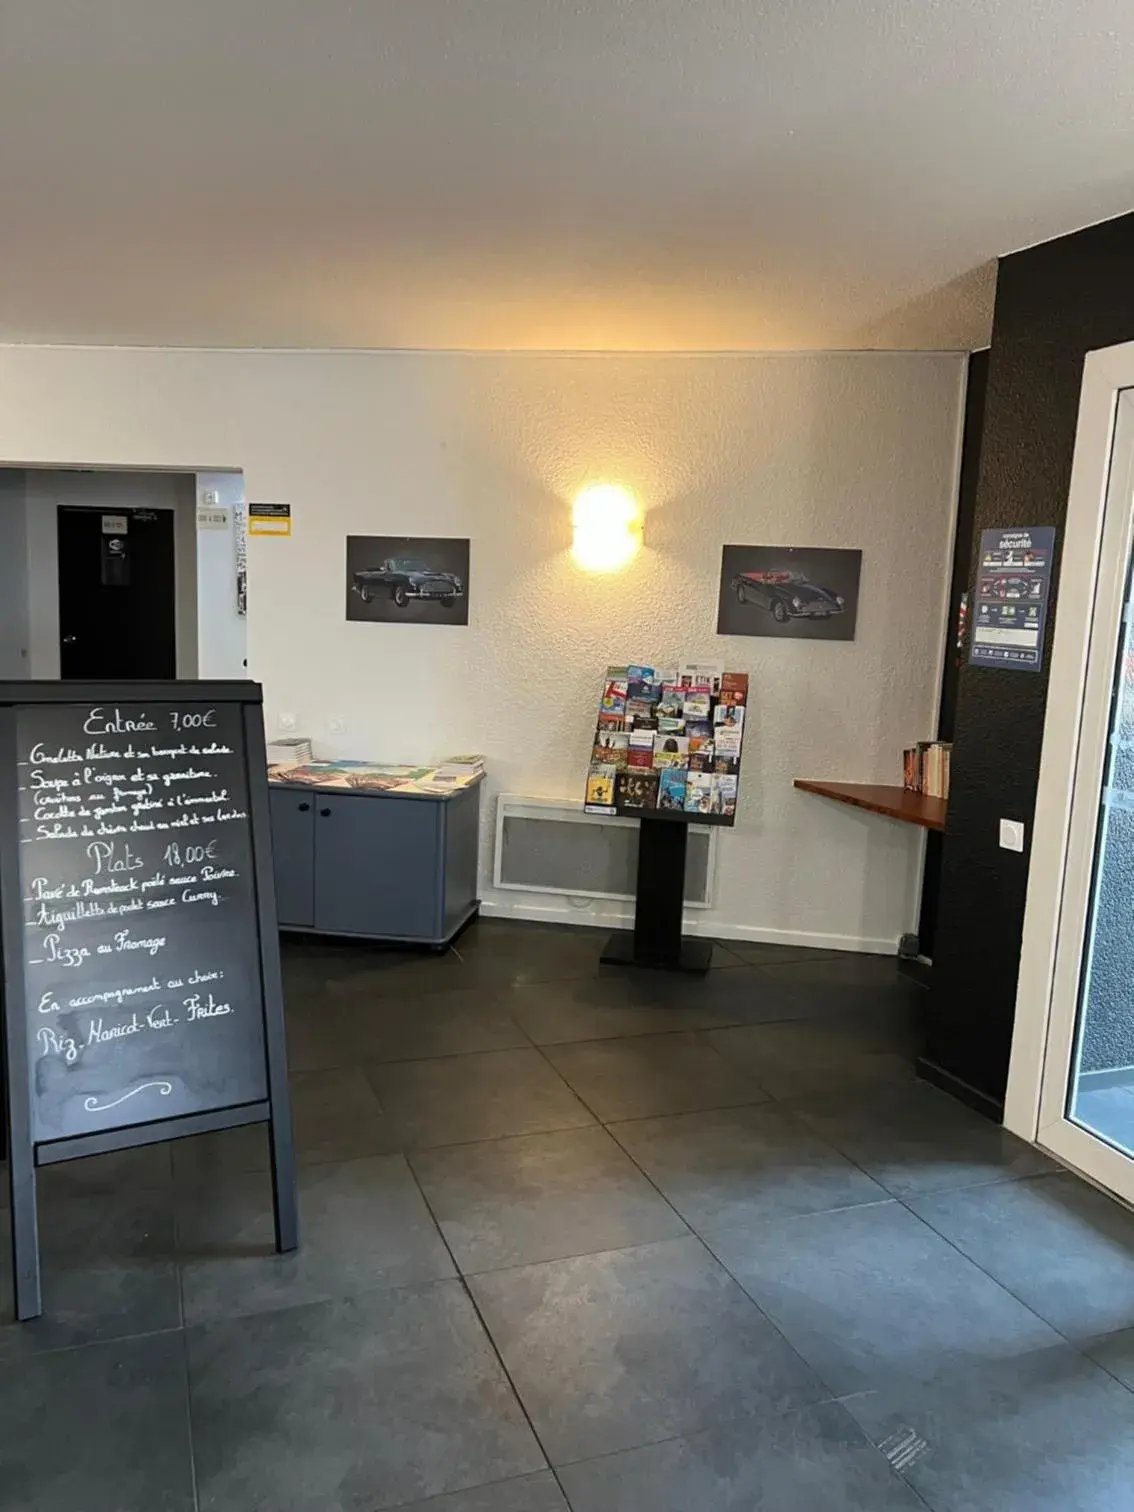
405	578
789	592
786	595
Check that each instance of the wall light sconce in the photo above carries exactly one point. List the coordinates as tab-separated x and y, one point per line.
607	523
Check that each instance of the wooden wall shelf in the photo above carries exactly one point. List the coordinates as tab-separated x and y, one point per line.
877	798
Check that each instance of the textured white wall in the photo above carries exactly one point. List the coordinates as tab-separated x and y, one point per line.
821	449
222	633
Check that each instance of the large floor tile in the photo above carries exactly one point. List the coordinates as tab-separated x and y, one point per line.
529	1493
501	953
814	1055
362	1225
761	953
1115	1352
1060	1245
914	1139
102	1429
463	1098
336	1116
442	1023
542	1197
108	1269
651	1074
1045	1432
612	1351
556	1013
815	1459
146	1168
363	1403
871	1293
736	1166
316	1035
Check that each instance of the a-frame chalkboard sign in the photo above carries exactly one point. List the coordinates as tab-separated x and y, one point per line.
142	998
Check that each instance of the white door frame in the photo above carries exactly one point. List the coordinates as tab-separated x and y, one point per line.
1096	545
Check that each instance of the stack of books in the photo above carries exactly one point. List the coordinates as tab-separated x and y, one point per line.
925	768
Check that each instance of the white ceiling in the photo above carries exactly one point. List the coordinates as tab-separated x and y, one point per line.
546	173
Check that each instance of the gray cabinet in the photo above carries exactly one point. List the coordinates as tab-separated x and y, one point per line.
293	847
377	865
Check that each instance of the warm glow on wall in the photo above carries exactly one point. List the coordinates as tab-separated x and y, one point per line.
607	527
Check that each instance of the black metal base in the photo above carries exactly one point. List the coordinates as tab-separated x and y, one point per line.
694	956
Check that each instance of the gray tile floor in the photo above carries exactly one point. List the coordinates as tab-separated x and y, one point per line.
582	1240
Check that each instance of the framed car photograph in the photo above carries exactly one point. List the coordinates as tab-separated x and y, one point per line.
407	580
789	592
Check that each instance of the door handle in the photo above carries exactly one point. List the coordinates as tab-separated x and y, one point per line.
303	807
326	813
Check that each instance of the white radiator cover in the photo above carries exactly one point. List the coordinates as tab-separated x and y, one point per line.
549	845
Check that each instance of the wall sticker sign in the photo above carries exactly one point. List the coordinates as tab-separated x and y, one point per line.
269	519
1010	602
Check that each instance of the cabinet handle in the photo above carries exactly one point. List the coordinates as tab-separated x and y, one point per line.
303	807
326	813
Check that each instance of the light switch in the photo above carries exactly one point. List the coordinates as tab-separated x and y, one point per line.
287	723
337	724
1012	834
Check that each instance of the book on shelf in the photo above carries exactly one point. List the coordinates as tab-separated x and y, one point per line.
611	748
699	793
671	788
640	751
670	750
926	768
600	790
638	789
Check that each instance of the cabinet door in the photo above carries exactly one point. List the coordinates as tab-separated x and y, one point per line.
293	854
377	867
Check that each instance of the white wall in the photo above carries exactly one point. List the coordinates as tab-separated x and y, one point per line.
851	450
222	632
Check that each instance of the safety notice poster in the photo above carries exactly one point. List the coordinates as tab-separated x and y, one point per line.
1010	602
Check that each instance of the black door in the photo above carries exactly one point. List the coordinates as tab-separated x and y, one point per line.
117	608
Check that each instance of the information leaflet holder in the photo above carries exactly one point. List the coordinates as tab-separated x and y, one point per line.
656	939
142	996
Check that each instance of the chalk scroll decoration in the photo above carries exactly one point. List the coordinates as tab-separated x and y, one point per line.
93	1105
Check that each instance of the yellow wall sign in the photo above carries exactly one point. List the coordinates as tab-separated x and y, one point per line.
269	519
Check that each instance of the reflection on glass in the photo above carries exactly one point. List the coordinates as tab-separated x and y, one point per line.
1101	1095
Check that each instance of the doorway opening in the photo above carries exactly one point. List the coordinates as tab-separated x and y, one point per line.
115	574
117	593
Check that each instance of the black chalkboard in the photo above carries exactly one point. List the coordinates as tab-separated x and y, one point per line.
142	996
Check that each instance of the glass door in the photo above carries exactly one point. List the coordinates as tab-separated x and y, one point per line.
1087	1098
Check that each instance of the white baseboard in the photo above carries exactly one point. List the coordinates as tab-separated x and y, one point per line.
611	916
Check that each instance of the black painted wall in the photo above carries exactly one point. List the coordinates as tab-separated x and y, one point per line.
1054	303
975	389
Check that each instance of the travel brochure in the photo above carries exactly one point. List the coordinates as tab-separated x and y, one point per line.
376	777
668	739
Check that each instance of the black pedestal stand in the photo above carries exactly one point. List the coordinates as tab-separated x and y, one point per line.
656	939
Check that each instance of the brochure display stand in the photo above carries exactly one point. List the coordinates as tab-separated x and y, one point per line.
666	751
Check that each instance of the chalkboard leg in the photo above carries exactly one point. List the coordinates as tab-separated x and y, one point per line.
25	1234
283	1185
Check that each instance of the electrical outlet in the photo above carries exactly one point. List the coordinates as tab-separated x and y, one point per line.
1011	834
336	724
287	724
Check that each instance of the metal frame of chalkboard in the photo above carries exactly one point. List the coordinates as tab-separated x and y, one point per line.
24	1155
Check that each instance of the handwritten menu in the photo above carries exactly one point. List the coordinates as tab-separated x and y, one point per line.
141	951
